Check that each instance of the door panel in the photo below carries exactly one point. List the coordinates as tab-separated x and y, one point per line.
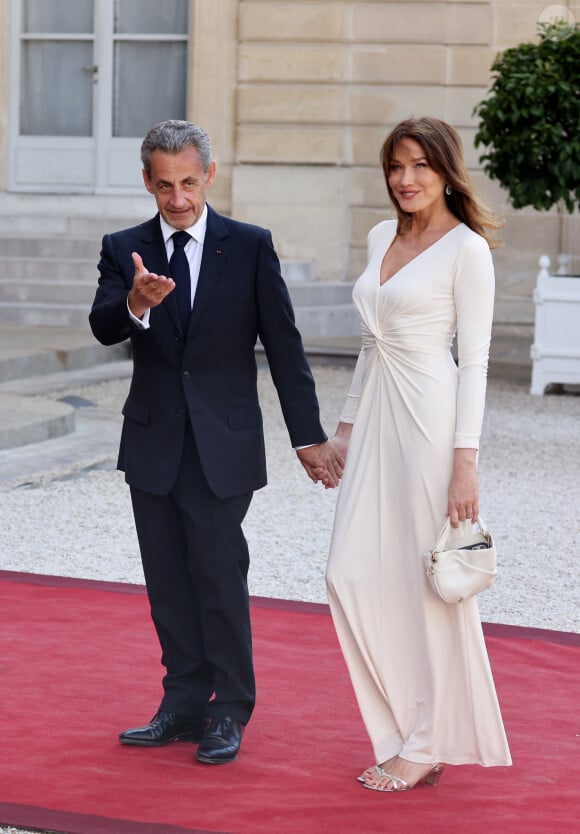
137	69
47	69
150	17
57	16
51	164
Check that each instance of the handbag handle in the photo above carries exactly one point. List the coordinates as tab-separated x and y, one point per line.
443	535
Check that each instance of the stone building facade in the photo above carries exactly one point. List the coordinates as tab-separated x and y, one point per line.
297	96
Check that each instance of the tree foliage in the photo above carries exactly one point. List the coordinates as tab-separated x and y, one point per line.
529	125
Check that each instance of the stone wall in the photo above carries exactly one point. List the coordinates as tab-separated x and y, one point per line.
319	84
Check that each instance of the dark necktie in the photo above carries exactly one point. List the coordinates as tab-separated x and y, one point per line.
179	270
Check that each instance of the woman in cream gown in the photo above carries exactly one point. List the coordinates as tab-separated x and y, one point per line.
410	429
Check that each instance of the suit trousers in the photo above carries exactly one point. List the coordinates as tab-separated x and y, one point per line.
195	561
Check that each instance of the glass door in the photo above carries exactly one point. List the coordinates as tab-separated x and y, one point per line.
92	77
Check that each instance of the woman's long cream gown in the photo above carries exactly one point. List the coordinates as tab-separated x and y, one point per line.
419	667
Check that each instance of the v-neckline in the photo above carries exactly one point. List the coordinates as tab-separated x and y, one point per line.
414	258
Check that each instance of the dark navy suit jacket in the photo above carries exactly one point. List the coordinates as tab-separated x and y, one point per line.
207	375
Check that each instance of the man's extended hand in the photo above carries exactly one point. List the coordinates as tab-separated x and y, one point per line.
323	463
148	289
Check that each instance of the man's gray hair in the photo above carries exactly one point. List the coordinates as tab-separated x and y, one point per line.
173	136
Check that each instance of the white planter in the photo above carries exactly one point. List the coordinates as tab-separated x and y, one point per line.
556	349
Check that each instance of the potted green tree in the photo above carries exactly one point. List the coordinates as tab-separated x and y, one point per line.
529	124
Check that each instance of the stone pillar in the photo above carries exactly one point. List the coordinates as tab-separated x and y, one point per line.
212	76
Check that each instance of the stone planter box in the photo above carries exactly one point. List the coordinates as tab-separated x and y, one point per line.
556	349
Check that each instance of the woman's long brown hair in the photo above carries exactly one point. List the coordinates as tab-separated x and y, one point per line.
444	153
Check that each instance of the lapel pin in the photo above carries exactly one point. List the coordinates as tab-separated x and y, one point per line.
218	251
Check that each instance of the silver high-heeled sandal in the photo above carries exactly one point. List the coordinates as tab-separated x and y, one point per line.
389	783
371	772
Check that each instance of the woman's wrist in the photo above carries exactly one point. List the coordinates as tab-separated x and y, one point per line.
465	457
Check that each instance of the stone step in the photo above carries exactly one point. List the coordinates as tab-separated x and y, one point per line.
327	321
74	226
49	247
58	291
79	288
27	420
26	291
44	315
93	444
73	216
49	279
318	321
319	293
56	266
39	351
49	269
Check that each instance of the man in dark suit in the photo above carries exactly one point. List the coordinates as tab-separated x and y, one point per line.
192	444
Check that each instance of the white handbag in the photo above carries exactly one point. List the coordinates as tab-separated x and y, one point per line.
463	561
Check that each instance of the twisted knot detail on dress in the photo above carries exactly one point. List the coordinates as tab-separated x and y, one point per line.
402	361
179	270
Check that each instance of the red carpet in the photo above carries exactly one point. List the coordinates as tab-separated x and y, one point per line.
79	662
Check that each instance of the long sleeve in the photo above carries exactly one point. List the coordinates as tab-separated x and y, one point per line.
350	407
110	318
282	342
473	291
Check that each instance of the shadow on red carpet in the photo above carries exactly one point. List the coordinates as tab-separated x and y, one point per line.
79	662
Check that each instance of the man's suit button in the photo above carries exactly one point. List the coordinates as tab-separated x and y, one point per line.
186	374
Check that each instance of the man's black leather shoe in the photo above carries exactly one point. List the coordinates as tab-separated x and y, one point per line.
221	741
163	728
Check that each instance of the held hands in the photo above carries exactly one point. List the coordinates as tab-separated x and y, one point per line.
148	289
322	462
314	459
463	500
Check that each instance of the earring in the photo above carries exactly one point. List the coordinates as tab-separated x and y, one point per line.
448	190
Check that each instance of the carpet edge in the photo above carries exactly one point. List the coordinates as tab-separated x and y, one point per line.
68	822
563	638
